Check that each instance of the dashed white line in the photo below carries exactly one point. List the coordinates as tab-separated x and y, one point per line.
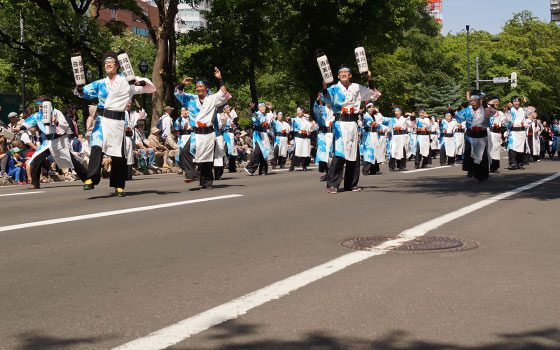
112	212
184	329
427	169
20	193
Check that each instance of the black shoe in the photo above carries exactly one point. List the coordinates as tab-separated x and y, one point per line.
206	187
291	169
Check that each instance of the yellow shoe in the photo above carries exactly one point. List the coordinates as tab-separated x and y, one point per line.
119	191
88	185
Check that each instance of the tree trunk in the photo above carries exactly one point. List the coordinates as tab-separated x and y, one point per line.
171	76
157	77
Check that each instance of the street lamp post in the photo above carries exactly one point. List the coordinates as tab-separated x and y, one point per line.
468	28
143	67
468	60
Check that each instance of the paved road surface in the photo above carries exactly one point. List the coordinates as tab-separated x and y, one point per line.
102	281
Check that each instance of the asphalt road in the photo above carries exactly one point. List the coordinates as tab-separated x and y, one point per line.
99	282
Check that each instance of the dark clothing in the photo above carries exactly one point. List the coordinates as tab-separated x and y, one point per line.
186	161
258	161
351	173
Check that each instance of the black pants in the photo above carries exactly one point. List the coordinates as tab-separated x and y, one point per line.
515	159
278	160
119	168
258	161
94	166
119	172
186	161
351	173
421	159
545	148
478	171
443	158
37	166
323	167
218	172
370	169
400	163
129	172
206	177
232	168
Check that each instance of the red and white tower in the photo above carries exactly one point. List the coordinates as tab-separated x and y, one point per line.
435	9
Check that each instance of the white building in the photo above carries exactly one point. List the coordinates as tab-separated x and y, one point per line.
555	10
190	18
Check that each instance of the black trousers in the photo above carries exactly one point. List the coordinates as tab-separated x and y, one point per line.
400	163
545	148
478	171
370	169
232	168
278	160
119	172
515	159
494	165
351	172
206	176
94	166
420	159
37	166
443	158
186	162
218	172
258	161
323	167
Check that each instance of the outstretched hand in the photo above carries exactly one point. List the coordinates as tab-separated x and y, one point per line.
217	73
187	80
252	104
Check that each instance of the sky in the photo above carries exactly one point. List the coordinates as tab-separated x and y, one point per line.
488	15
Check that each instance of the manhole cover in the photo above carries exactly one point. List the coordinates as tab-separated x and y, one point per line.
424	244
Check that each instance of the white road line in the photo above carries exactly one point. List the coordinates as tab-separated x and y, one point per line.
112	212
20	193
182	330
427	169
298	169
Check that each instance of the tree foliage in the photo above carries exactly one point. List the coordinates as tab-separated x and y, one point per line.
266	51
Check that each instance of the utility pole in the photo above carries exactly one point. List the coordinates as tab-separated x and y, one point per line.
22	62
468	60
477	76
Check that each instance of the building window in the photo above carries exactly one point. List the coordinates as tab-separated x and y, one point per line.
140	31
113	15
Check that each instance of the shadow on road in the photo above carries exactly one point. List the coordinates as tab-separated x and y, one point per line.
226	334
37	341
451	185
214	186
136	193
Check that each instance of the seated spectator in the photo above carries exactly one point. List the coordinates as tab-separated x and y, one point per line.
4	156
161	150
15	166
241	147
142	146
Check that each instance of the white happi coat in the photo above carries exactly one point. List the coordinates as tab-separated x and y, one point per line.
537	128
495	138
423	140
399	142
303	145
380	147
119	94
59	147
220	149
449	142
205	143
460	138
518	118
346	133
477	118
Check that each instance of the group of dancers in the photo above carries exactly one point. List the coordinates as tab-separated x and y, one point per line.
348	137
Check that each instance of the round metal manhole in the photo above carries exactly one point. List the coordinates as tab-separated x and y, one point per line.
424	244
